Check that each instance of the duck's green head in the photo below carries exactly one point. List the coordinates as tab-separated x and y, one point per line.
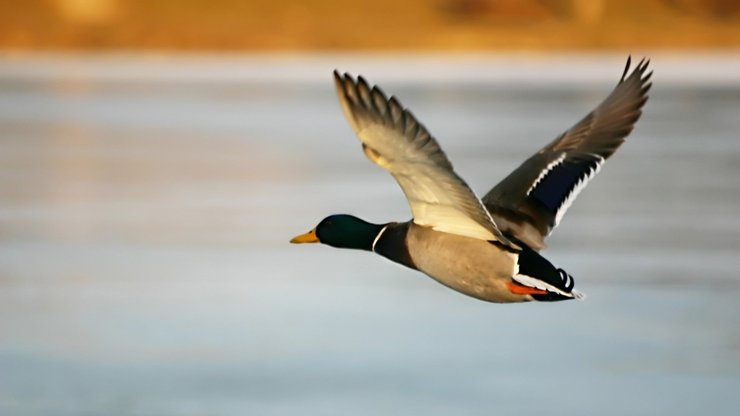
342	231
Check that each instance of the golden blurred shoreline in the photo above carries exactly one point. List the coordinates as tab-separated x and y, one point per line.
327	25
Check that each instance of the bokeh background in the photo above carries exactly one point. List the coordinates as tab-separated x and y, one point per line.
433	25
157	156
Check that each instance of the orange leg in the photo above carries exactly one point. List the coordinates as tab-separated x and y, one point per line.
518	289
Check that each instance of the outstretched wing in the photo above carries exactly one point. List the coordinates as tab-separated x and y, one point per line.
530	202
393	139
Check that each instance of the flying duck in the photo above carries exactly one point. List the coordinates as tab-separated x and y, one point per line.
486	248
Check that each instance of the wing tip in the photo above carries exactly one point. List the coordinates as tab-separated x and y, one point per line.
626	68
342	77
340	81
639	70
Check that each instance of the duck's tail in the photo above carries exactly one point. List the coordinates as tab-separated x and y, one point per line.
547	282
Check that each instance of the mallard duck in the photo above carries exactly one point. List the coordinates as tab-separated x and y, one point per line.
486	248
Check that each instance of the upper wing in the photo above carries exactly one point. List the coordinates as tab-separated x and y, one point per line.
392	138
530	202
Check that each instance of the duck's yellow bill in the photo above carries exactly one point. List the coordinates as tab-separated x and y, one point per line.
309	237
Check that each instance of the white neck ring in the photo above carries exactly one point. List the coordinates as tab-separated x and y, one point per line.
377	237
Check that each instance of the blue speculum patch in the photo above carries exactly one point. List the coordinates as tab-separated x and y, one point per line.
555	187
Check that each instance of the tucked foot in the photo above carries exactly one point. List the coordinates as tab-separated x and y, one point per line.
518	289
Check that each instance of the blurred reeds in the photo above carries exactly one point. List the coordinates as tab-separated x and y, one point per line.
224	25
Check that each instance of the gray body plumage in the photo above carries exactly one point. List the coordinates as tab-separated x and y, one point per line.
474	267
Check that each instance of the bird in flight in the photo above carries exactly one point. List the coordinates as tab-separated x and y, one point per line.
486	248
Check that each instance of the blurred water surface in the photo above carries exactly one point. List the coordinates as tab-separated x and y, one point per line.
146	204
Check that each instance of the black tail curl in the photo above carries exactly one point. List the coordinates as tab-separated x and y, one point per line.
533	264
568	282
